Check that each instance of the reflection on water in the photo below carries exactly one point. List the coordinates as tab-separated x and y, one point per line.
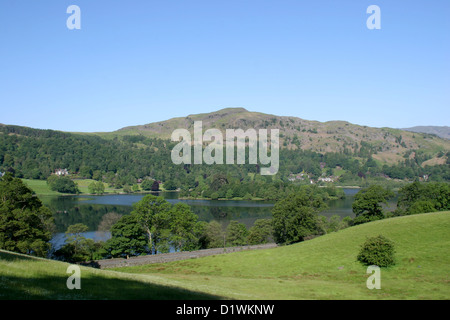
89	210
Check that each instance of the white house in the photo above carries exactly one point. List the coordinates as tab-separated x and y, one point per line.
61	172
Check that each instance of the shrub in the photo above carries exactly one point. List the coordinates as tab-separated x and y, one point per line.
377	251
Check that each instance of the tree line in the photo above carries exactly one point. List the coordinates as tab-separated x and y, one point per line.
121	161
156	226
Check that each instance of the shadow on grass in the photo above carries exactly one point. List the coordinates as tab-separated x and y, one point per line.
42	285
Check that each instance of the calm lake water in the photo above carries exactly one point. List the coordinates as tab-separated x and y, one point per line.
89	210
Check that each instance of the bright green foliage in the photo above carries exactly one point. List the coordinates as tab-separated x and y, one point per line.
260	232
378	251
182	227
160	225
96	187
295	217
368	203
236	234
77	248
334	223
423	197
151	213
214	196
25	224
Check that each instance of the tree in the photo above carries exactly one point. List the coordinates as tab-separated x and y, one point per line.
213	236
62	184
377	251
295	217
147	185
236	234
25	223
151	213
170	185
85	172
182	227
215	196
128	238
96	187
368	203
423	197
77	247
155	186
260	232
108	220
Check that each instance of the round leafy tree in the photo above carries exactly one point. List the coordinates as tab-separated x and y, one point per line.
377	251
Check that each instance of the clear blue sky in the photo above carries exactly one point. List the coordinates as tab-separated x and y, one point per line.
135	62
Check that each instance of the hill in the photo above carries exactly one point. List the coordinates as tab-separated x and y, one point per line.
388	145
124	157
24	277
321	268
326	267
440	131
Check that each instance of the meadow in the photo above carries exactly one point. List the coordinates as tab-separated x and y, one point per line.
322	268
326	267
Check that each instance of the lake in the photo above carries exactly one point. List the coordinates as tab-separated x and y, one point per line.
89	210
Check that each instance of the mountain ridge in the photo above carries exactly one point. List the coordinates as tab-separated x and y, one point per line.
440	131
388	145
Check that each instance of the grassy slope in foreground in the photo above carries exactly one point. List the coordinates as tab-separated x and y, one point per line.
326	267
24	277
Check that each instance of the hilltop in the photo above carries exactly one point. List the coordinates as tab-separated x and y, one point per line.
388	145
337	149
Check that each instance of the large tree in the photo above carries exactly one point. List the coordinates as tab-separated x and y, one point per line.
25	223
183	227
236	233
260	232
296	216
77	247
128	238
368	203
62	184
151	213
423	197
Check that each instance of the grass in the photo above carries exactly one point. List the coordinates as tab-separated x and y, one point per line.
40	187
83	186
321	268
326	267
23	277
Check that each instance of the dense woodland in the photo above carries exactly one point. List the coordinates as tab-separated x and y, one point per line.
35	154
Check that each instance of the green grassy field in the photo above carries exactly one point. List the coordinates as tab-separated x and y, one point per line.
83	185
326	267
23	277
321	268
41	188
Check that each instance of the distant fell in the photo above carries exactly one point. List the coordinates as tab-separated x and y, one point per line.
387	145
440	131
